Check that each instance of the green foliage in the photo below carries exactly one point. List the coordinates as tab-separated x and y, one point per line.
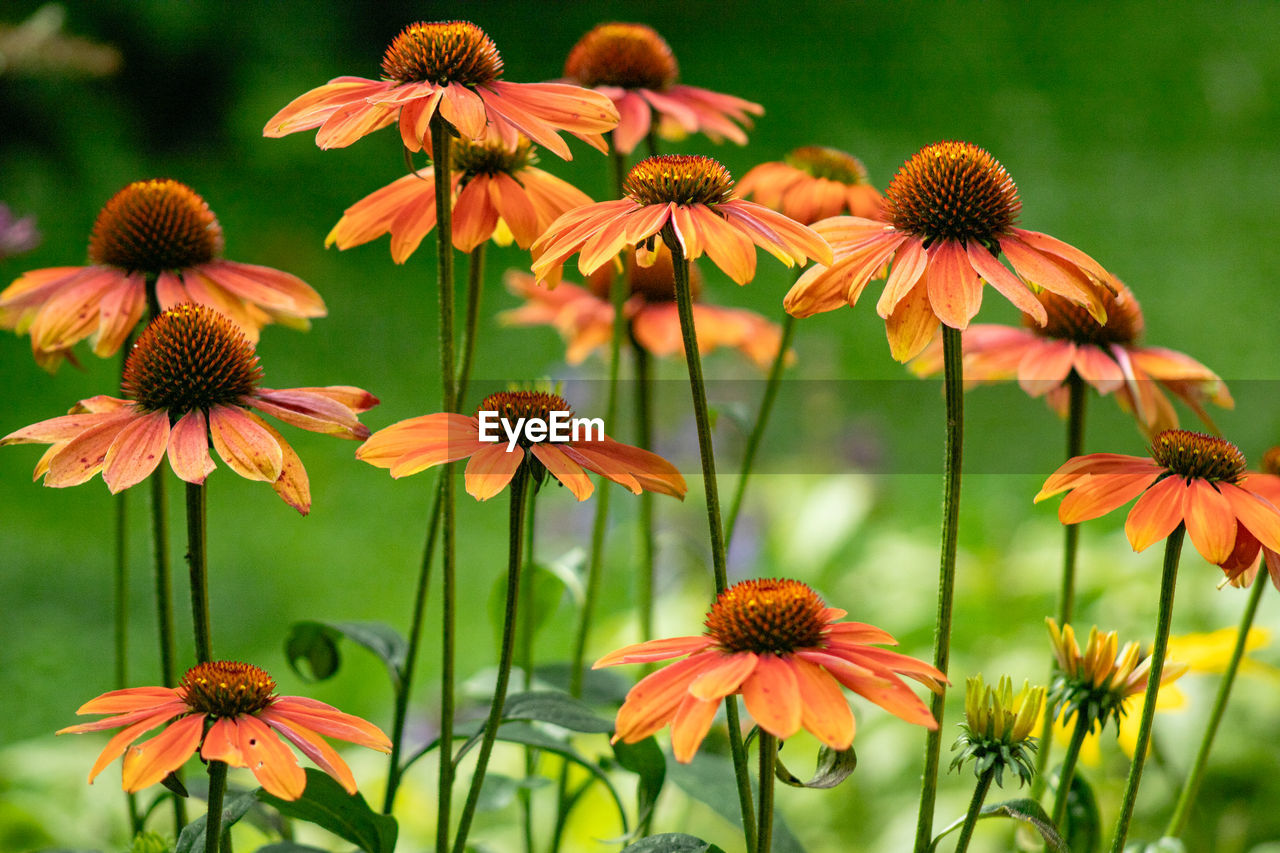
325	804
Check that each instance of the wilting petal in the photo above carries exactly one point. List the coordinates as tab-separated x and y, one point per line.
152	760
245	444
1156	513
689	728
772	697
824	713
654	650
136	451
308	410
189	447
725	677
271	762
83	456
1211	523
491	469
564	469
293	486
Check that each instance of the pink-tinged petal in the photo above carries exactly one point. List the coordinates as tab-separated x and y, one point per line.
634	118
329	721
293	485
689	728
1046	367
889	661
673	109
136	452
1101	493
312	108
796	243
474	216
271	288
118	314
687	232
824	713
725	677
1254	512
122	739
859	632
353	121
83	456
1080	467
189	448
912	324
203	290
884	689
62	428
909	265
130	699
1211	523
623	463
463	109
1047	273
270	761
516	207
1156	514
152	760
1099	368
222	743
1009	285
559	105
312	746
491	469
170	290
955	290
654	650
168	709
356	399
727	247
308	410
72	314
651	704
564	469
772	697
514	112
1070	254
245	444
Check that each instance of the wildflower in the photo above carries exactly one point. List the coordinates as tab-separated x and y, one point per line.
451	67
813	183
1191	478
584	315
948	212
192	377
634	67
997	728
498	193
1107	356
688	199
152	234
500	445
777	643
225	711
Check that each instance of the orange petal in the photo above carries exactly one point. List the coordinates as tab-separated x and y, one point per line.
955	290
1211	523
270	761
474	216
909	264
1078	468
189	447
463	109
122	739
1046	367
152	760
313	746
772	696
1256	513
651	704
293	486
129	699
728	248
653	650
443	437
725	677
1010	286
564	469
824	713
329	721
118	314
1046	272
1156	513
689	728
1101	493
516	207
83	456
308	410
859	632
222	743
491	469
136	451
882	688
245	444
912	324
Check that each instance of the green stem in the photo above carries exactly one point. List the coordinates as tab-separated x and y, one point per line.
772	384
1068	771
954	387
196	562
697	387
515	556
527	615
120	583
1190	788
217	788
1168	579
644	438
475	280
975	809
768	747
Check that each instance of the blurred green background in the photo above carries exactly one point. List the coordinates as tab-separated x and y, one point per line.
1144	134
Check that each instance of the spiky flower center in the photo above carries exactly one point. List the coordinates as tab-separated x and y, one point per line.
1070	322
512	406
769	615
829	163
679	178
654	284
1194	455
156	225
190	357
442	52
632	56
226	688
491	157
953	191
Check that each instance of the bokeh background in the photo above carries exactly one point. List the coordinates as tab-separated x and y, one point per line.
1145	134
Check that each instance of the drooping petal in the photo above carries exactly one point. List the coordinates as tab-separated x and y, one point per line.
1046	367
189	447
725	677
136	451
306	409
515	207
1101	493
1211	523
955	290
909	264
883	689
564	469
651	704
463	109
693	719
83	456
245	444
772	696
824	713
727	247
122	739
313	108
171	709
622	462
222	743
1156	513
1078	468
129	699
270	761
118	314
474	215
293	485
912	324
312	746
1009	285
150	761
491	469
654	650
330	722
1255	513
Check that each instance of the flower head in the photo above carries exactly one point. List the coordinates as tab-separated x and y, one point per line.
584	315
227	712
777	643
1190	478
813	183
515	428
688	200
498	193
152	234
451	68
191	377
997	728
634	67
949	211
1107	356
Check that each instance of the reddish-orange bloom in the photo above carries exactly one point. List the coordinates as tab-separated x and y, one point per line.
1191	478
584	315
192	377
497	194
1242	566
451	67
813	183
1108	357
227	712
503	435
775	642
689	198
948	213
156	234
634	67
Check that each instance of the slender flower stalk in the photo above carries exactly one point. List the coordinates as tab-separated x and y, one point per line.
1067	773
768	746
198	566
213	823
974	810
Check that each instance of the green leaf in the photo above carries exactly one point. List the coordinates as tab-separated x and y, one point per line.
289	847
646	760
709	779
561	709
834	766
672	842
599	686
547	592
191	840
570	567
1026	810
1083	823
326	804
317	644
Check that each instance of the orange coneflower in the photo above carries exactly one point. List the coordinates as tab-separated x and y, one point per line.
451	67
152	234
584	315
1242	566
690	197
775	642
1190	478
634	67
499	446
192	377
498	194
949	211
227	712
813	183
1107	356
